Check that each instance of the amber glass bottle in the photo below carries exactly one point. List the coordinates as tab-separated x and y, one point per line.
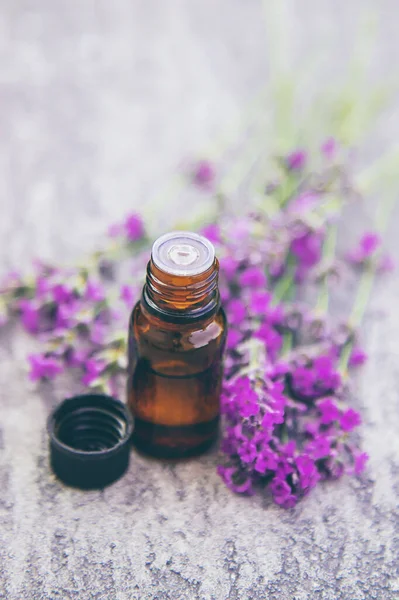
177	333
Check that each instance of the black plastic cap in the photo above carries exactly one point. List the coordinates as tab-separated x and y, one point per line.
90	440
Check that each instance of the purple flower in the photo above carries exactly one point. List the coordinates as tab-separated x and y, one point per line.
369	243
61	293
267	460
93	368
247	451
227	406
77	357
232	439
349	420
272	418
212	233
318	448
327	376
366	248
357	357
280	487
239	399
233	339
275	394
284	468
228	267
94	291
65	314
275	314
312	429
247	403
329	411
29	315
287	501
316	379
134	227
308	473
261	465
274	411
97	333
307	249
296	160
127	295
204	174
277	370
282	493
288	449
237	482
224	294
272	340
43	367
253	277
303	381
328	148
236	311
42	286
259	302
360	461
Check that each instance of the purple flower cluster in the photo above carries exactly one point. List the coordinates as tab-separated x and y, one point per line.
71	314
44	367
307	248
287	425
273	439
268	439
314	379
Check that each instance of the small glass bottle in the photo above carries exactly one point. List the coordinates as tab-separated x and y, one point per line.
177	334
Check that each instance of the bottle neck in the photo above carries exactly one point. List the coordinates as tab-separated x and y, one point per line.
177	297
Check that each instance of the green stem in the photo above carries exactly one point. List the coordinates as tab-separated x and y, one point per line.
285	283
362	296
287	344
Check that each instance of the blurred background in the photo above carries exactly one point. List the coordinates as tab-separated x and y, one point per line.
102	102
104	106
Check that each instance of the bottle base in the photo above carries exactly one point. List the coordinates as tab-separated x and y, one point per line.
164	441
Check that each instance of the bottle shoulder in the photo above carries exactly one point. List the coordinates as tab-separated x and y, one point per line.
187	336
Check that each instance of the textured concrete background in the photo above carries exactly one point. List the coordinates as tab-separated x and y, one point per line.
100	101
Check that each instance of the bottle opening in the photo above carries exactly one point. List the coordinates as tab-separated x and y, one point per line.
183	253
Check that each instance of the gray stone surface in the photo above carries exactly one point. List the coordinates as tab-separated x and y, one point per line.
100	101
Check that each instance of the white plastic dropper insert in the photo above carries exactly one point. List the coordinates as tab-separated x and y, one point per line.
183	253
